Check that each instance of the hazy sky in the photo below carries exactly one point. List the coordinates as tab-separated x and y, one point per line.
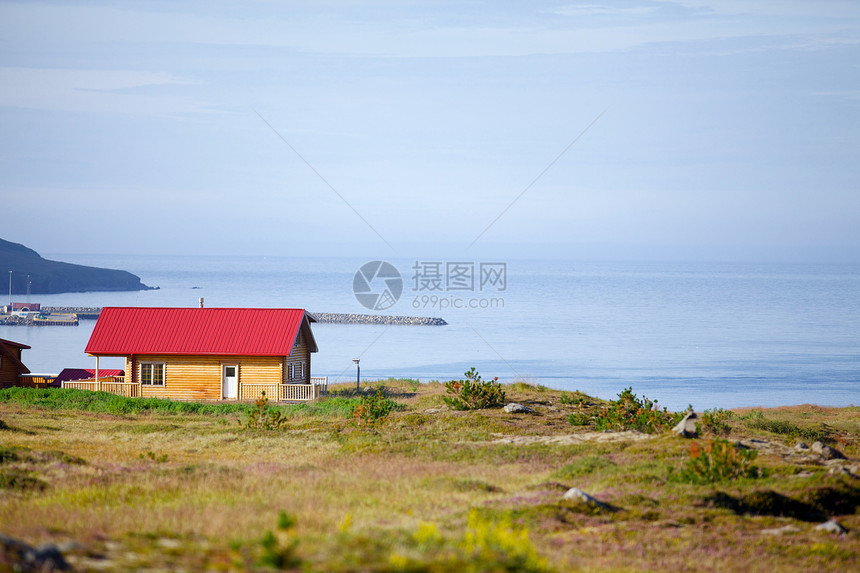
729	129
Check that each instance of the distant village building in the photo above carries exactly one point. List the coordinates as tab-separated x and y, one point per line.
11	367
207	353
75	374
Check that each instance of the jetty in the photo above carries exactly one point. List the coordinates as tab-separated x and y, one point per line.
92	313
346	318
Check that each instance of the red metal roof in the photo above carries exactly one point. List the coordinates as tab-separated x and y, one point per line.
227	331
69	374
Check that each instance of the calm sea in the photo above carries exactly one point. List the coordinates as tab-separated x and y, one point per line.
710	335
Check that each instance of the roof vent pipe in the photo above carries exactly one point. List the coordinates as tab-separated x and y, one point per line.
201	302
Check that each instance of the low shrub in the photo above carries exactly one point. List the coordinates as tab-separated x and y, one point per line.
579	419
716	421
473	393
264	417
718	460
756	420
279	548
371	409
628	412
20	480
576	398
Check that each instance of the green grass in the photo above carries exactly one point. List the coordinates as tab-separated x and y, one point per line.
105	403
756	420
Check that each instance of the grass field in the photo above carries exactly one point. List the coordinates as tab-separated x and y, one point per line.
124	484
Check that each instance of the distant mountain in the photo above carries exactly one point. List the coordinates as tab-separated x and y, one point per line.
51	277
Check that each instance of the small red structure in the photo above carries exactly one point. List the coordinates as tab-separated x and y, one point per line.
11	367
26	307
70	374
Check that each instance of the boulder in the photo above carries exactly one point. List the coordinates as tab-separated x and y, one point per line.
686	428
576	495
826	452
781	530
43	559
514	408
832	526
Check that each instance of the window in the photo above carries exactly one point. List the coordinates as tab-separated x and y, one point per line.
288	371
297	371
152	373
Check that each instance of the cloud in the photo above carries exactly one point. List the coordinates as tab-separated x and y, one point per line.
92	90
419	31
601	10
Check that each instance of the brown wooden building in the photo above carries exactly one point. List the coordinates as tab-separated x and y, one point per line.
11	367
207	353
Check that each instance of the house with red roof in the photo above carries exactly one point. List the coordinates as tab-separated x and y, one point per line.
11	367
206	353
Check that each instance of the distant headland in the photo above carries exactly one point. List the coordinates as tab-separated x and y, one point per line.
53	277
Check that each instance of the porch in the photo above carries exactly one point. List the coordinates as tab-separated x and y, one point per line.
274	392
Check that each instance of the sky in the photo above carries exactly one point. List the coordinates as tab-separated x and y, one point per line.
641	130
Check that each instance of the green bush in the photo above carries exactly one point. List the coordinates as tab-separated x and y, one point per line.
719	460
371	409
716	421
577	398
579	419
629	412
264	417
279	548
756	420
473	393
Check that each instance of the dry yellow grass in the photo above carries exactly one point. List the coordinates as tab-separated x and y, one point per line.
193	491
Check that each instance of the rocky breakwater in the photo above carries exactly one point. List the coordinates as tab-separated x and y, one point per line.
82	312
346	318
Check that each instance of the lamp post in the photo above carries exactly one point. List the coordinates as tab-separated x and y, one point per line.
357	373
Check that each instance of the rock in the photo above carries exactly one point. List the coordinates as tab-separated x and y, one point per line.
348	318
686	428
832	526
827	452
801	447
842	471
43	559
781	530
514	408
576	495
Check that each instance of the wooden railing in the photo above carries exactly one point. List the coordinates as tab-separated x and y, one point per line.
322	382
280	392
274	392
112	384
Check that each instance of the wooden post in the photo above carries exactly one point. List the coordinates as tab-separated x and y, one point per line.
98	380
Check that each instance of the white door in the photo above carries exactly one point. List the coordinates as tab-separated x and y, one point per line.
230	381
